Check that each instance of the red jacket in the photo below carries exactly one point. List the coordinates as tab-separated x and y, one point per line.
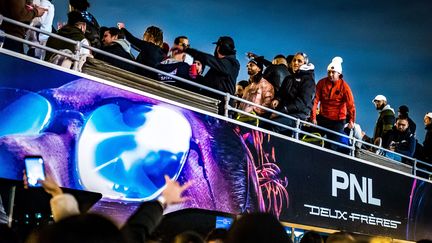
336	100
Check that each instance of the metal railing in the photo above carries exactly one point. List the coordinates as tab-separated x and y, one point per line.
227	98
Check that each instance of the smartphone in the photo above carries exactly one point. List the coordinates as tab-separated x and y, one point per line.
34	170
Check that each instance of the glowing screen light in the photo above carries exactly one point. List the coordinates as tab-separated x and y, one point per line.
125	149
34	112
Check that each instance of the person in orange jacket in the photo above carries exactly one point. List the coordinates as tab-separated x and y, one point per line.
336	101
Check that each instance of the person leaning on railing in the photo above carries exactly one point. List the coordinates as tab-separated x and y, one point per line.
336	104
20	11
224	68
74	30
295	96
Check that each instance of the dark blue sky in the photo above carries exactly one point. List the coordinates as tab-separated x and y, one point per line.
386	47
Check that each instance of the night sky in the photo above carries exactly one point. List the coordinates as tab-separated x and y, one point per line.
386	45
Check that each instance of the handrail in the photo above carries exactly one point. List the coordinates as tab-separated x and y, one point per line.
227	96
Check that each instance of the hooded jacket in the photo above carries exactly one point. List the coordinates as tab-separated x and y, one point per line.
336	100
68	31
385	122
276	74
121	48
261	93
297	92
223	71
404	142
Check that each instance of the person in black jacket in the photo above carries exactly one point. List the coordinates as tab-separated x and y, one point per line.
151	53
224	68
74	30
400	140
114	43
403	111
92	31
296	94
277	71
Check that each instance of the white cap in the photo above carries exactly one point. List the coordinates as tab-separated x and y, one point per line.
429	114
335	65
379	97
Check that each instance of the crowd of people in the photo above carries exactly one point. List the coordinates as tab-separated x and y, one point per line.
285	84
71	225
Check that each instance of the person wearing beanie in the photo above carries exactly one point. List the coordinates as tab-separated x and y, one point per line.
336	104
254	69
224	68
276	70
259	91
295	96
403	112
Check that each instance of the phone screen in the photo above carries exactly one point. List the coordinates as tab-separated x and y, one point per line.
34	170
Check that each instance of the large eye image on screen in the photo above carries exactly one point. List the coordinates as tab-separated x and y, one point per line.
125	149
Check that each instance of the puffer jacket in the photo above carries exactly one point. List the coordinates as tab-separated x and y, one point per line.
385	122
336	100
261	93
297	92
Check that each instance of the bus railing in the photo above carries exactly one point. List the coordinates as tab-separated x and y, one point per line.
227	98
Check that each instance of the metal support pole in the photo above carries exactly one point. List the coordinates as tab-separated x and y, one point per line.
77	56
226	107
11	205
415	167
296	134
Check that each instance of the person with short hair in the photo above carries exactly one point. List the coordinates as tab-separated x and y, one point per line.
403	111
259	91
224	68
114	43
400	140
92	32
277	71
74	30
295	96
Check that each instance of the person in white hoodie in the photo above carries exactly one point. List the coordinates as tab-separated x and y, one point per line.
44	23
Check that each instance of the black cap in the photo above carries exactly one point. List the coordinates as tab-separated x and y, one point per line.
257	62
403	109
75	17
227	45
